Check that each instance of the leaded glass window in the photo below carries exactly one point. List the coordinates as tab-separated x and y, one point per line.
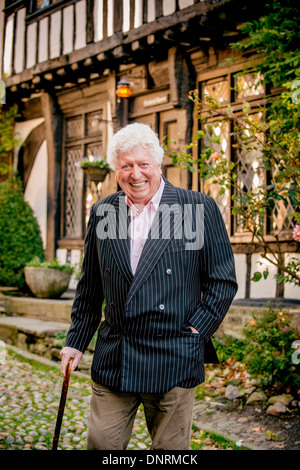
217	89
280	215
250	176
227	90
213	189
83	139
247	86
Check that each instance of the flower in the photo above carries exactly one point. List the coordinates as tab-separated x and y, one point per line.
215	156
296	233
92	162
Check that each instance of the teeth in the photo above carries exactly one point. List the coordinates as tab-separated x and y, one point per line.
138	185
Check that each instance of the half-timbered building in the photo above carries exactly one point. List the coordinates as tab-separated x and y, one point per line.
61	62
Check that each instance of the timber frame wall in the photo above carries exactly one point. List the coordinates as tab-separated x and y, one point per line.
64	61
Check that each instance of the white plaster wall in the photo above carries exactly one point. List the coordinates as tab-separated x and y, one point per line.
22	131
126	15
61	255
31	45
55	34
43	39
265	288
168	7
36	189
8	45
241	272
110	17
150	11
138	13
290	290
19	41
98	20
68	29
80	25
185	3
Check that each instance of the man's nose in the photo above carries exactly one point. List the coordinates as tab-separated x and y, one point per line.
135	172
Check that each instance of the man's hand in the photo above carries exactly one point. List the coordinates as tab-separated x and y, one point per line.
66	354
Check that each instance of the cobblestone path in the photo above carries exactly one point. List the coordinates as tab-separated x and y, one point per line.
29	400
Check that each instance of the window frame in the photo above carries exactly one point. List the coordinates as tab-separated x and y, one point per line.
255	101
79	142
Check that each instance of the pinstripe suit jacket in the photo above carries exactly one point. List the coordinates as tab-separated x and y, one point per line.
144	343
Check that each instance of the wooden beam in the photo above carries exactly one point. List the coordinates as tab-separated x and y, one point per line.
53	126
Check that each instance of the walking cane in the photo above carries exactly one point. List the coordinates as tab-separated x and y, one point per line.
62	405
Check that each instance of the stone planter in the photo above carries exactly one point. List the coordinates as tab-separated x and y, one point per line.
47	283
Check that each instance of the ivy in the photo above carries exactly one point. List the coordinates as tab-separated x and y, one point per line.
272	133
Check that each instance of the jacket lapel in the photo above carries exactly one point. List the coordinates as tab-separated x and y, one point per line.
120	244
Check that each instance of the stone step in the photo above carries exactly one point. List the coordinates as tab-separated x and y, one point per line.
37	336
58	310
32	334
32	326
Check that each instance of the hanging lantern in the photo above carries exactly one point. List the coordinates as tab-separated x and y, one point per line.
123	89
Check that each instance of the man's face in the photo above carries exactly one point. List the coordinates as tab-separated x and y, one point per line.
138	175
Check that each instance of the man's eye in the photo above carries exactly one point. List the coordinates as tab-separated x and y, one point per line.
144	164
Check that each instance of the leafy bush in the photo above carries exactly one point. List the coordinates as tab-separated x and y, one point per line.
19	233
229	347
36	262
269	338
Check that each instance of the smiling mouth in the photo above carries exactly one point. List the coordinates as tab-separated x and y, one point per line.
138	185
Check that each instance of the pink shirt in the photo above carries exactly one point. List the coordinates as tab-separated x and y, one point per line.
140	224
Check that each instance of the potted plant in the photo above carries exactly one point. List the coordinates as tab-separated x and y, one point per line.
96	168
47	279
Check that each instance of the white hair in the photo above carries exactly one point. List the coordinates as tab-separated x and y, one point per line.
132	136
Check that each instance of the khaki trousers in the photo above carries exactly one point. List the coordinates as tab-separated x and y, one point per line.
168	417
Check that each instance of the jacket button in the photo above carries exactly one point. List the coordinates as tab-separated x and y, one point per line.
161	307
107	271
169	271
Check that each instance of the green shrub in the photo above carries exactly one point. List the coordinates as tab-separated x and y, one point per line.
269	338
229	347
36	262
19	233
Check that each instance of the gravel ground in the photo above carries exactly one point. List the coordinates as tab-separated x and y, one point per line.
29	400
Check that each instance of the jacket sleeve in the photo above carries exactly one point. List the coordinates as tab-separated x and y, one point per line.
87	307
218	278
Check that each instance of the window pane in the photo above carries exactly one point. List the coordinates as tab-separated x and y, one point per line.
217	89
74	127
280	216
94	150
213	189
248	85
250	175
40	4
73	194
94	123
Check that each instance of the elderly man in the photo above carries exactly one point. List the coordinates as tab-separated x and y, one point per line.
161	258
